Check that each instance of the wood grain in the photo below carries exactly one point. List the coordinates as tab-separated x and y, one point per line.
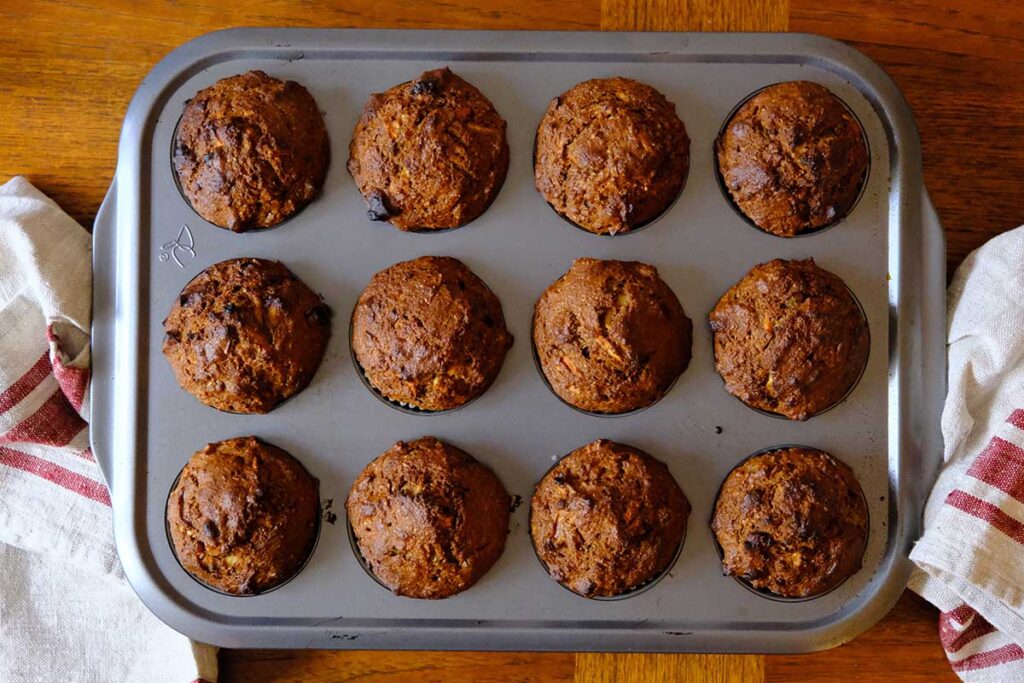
68	69
614	668
304	666
694	15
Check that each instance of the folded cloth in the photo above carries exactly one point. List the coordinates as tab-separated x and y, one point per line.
66	612
971	557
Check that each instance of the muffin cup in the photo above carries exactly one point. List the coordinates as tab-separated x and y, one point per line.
281	402
636	228
177	184
544	378
362	560
399	405
764	592
629	593
720	181
298	570
827	408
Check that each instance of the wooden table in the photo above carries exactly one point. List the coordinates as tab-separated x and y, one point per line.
69	67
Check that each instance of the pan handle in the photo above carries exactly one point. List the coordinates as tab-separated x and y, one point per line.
102	333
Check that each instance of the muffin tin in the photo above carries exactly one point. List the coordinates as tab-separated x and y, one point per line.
148	243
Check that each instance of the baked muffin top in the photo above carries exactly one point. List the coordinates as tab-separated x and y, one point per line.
243	516
246	334
611	155
429	154
793	158
428	519
608	518
791	521
789	338
611	336
250	151
429	334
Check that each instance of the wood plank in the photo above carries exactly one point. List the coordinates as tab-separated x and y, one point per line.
694	15
646	668
305	666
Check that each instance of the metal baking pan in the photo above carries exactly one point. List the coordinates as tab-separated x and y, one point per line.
149	243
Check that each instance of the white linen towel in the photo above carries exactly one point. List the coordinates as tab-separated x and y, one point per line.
971	557
66	612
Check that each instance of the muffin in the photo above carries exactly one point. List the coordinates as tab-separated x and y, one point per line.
429	154
243	516
789	339
793	158
429	334
611	336
607	519
791	521
611	155
250	151
428	519
246	334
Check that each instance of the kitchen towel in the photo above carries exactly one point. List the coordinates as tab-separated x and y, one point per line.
971	557
66	612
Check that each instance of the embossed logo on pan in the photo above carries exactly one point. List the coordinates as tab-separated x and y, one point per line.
183	245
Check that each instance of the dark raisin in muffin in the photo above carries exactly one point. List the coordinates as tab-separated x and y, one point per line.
429	334
246	334
251	151
243	516
611	336
429	154
791	521
611	155
789	339
793	158
608	518
428	519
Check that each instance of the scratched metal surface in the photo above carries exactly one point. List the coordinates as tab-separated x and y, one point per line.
149	243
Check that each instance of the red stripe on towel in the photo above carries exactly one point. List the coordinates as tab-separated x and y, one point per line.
987	512
74	381
983	660
1001	464
65	478
956	638
1017	418
35	375
54	424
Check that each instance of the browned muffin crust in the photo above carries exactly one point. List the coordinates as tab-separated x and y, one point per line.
428	518
243	516
611	155
251	151
793	158
246	334
611	336
429	154
792	521
790	339
608	518
428	333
